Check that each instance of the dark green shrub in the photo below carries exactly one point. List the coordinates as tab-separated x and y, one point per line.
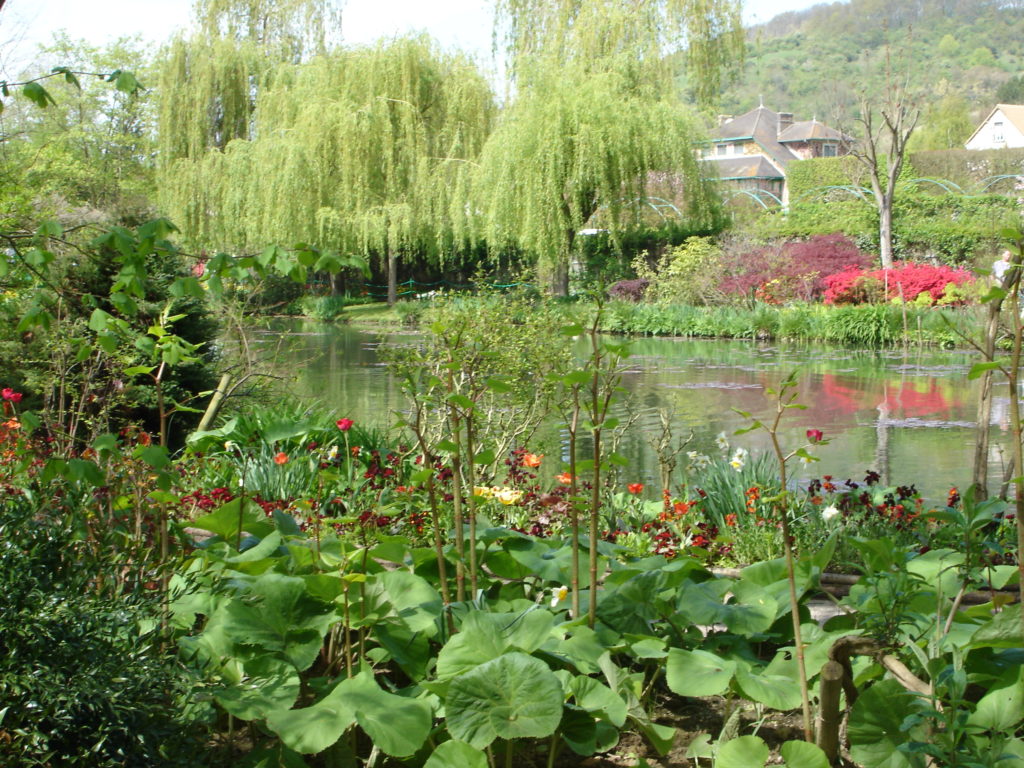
80	683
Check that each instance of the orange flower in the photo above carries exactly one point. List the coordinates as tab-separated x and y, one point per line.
730	519
565	478
681	507
635	488
281	458
532	460
355	450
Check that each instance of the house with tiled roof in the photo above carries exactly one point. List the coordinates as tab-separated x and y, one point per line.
1002	129
751	152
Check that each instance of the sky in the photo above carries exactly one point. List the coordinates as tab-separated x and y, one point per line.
455	23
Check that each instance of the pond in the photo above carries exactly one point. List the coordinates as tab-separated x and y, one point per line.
907	414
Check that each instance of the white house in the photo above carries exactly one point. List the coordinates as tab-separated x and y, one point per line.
1002	129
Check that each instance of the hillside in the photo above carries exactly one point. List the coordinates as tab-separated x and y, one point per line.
964	54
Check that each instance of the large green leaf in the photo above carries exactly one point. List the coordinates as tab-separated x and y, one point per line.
269	685
774	691
1002	631
396	724
598	699
415	602
1002	708
875	729
456	754
313	729
485	636
698	673
802	754
514	696
224	520
585	735
743	752
278	615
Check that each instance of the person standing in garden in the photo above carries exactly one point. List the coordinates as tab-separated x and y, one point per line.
1001	266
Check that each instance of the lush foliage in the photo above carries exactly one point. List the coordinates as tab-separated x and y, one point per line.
920	283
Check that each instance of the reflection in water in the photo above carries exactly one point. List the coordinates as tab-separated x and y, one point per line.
907	414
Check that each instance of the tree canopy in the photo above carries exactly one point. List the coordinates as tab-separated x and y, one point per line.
595	114
361	150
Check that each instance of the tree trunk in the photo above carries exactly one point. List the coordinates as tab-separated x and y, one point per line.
979	477
338	283
885	233
560	279
392	278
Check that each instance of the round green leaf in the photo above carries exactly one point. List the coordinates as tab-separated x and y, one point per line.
456	754
514	696
803	754
774	691
698	673
744	752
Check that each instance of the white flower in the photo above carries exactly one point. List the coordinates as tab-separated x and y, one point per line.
829	512
722	442
230	445
806	459
333	453
739	459
558	595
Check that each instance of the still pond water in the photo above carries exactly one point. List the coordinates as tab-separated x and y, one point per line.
907	414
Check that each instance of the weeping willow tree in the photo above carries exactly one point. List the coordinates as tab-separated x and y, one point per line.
595	115
209	83
364	151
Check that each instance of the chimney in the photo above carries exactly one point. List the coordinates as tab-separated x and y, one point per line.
785	120
723	119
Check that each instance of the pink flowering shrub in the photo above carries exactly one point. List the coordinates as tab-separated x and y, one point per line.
905	280
793	271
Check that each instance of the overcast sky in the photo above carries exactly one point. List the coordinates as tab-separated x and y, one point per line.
462	23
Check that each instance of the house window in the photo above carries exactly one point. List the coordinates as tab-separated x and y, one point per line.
997	131
828	150
723	149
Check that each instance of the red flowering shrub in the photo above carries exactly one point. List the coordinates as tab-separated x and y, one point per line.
794	271
905	280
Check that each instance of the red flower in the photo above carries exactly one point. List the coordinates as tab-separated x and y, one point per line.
344	424
815	435
281	458
10	394
635	488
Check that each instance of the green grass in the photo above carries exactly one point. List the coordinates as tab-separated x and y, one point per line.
379	312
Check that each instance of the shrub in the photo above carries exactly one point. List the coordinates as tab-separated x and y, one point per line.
325	308
629	290
80	683
905	281
794	271
685	274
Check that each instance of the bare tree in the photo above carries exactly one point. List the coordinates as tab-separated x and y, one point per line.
887	119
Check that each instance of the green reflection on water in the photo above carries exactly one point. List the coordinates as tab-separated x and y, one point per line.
907	414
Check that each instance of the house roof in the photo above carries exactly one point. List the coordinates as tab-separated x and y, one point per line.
1013	112
810	130
761	125
746	167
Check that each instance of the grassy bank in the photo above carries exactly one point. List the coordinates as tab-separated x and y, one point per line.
871	325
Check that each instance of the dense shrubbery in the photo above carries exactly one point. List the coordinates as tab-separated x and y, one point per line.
81	684
792	271
922	283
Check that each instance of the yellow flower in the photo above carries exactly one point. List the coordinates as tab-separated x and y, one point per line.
507	495
484	492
